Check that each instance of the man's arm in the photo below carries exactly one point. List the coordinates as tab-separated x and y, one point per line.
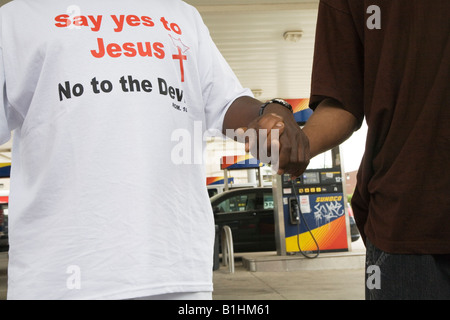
243	111
329	126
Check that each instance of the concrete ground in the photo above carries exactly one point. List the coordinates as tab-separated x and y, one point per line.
332	276
345	284
3	274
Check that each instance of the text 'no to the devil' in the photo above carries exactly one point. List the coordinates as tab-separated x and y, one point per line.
126	84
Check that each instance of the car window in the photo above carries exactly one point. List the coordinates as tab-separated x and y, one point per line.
268	200
238	203
212	192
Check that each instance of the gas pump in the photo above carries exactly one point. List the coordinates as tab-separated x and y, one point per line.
310	211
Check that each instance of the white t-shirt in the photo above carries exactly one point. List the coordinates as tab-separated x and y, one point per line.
108	101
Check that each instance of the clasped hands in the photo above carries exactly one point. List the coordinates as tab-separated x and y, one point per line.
278	141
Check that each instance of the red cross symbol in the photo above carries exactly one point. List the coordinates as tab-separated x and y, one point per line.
180	56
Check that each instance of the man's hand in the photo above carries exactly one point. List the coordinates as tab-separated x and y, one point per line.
277	139
273	138
278	133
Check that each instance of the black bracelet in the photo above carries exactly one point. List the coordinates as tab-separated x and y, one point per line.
278	101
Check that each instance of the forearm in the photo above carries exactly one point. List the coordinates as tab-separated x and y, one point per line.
329	126
245	110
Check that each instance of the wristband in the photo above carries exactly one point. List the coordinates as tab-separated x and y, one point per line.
278	101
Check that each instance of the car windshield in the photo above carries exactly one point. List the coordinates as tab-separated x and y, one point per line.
217	196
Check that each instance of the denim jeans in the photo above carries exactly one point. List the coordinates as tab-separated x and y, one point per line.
406	277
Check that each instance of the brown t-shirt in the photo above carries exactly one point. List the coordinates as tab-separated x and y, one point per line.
389	61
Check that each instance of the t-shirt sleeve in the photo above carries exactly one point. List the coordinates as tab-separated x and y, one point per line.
10	119
5	131
338	68
220	85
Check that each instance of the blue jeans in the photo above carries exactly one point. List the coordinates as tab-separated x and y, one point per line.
406	277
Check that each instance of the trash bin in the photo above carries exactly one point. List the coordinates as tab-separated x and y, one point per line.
216	264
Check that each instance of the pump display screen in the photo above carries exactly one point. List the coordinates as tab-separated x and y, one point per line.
314	181
330	177
311	178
